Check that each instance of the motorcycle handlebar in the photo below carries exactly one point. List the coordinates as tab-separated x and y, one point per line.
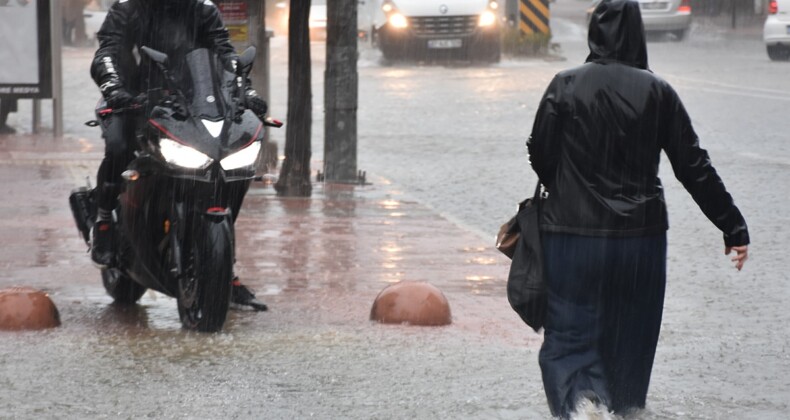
140	105
133	107
271	122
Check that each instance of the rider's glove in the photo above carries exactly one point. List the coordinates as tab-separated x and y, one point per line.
119	98
256	104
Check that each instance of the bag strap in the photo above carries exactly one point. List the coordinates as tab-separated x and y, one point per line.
537	199
536	196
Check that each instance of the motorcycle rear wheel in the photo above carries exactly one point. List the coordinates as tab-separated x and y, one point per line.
204	292
120	287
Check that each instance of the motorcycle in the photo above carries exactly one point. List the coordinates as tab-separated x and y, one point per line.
197	154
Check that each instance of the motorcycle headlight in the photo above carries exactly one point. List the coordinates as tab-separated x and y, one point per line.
242	158
177	154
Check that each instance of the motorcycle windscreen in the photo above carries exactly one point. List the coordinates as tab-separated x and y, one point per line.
203	85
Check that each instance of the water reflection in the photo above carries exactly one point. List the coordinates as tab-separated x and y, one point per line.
45	172
338	252
44	242
127	318
294	255
482	284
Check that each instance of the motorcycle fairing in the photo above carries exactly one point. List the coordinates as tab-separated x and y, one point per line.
191	131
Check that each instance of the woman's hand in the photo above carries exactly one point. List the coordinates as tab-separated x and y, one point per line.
741	255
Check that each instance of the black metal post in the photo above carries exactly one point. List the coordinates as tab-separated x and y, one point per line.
341	92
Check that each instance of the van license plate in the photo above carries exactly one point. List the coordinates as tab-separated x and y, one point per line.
445	43
654	6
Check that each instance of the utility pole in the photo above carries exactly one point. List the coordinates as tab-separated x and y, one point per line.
295	173
341	92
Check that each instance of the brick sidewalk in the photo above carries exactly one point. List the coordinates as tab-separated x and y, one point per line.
317	262
342	245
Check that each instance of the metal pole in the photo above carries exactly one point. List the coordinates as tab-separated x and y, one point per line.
36	126
341	83
734	12
260	72
262	75
57	68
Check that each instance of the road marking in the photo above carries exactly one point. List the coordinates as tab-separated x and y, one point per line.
768	159
729	89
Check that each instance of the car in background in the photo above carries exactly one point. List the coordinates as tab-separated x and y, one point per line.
317	20
661	16
776	31
425	29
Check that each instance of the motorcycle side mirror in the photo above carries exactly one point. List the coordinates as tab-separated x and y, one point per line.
246	59
158	57
161	60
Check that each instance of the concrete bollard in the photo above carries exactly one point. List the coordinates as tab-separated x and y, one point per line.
413	303
25	308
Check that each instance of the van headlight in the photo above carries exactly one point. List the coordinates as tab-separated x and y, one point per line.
244	157
398	21
487	18
184	156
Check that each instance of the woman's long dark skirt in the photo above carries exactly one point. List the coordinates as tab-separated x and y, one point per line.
606	298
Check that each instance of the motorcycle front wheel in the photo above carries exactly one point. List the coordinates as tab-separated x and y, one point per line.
204	292
120	287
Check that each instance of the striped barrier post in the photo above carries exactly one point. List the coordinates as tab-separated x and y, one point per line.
534	17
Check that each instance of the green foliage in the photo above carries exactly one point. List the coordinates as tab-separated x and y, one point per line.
519	44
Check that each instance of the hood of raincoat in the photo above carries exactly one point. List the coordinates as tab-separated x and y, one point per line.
616	33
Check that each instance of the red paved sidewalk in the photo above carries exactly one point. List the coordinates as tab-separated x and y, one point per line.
321	259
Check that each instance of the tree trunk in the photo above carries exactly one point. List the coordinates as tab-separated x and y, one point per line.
295	172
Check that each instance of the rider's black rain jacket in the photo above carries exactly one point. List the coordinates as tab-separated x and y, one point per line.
174	27
598	135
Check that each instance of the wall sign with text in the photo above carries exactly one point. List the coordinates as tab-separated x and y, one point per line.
236	18
25	49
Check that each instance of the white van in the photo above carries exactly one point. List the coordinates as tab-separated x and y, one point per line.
430	28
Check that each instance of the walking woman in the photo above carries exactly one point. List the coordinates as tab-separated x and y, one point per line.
596	145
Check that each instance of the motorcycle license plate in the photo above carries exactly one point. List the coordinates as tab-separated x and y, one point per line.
445	43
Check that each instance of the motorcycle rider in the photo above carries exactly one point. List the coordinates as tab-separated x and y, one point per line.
174	27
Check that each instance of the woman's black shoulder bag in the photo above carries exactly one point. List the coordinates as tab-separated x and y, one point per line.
526	286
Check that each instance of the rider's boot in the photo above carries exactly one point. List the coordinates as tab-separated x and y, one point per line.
102	239
103	230
241	295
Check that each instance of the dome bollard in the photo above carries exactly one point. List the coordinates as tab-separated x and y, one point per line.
25	308
413	303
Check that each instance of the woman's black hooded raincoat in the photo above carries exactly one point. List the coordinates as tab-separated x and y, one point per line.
598	135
